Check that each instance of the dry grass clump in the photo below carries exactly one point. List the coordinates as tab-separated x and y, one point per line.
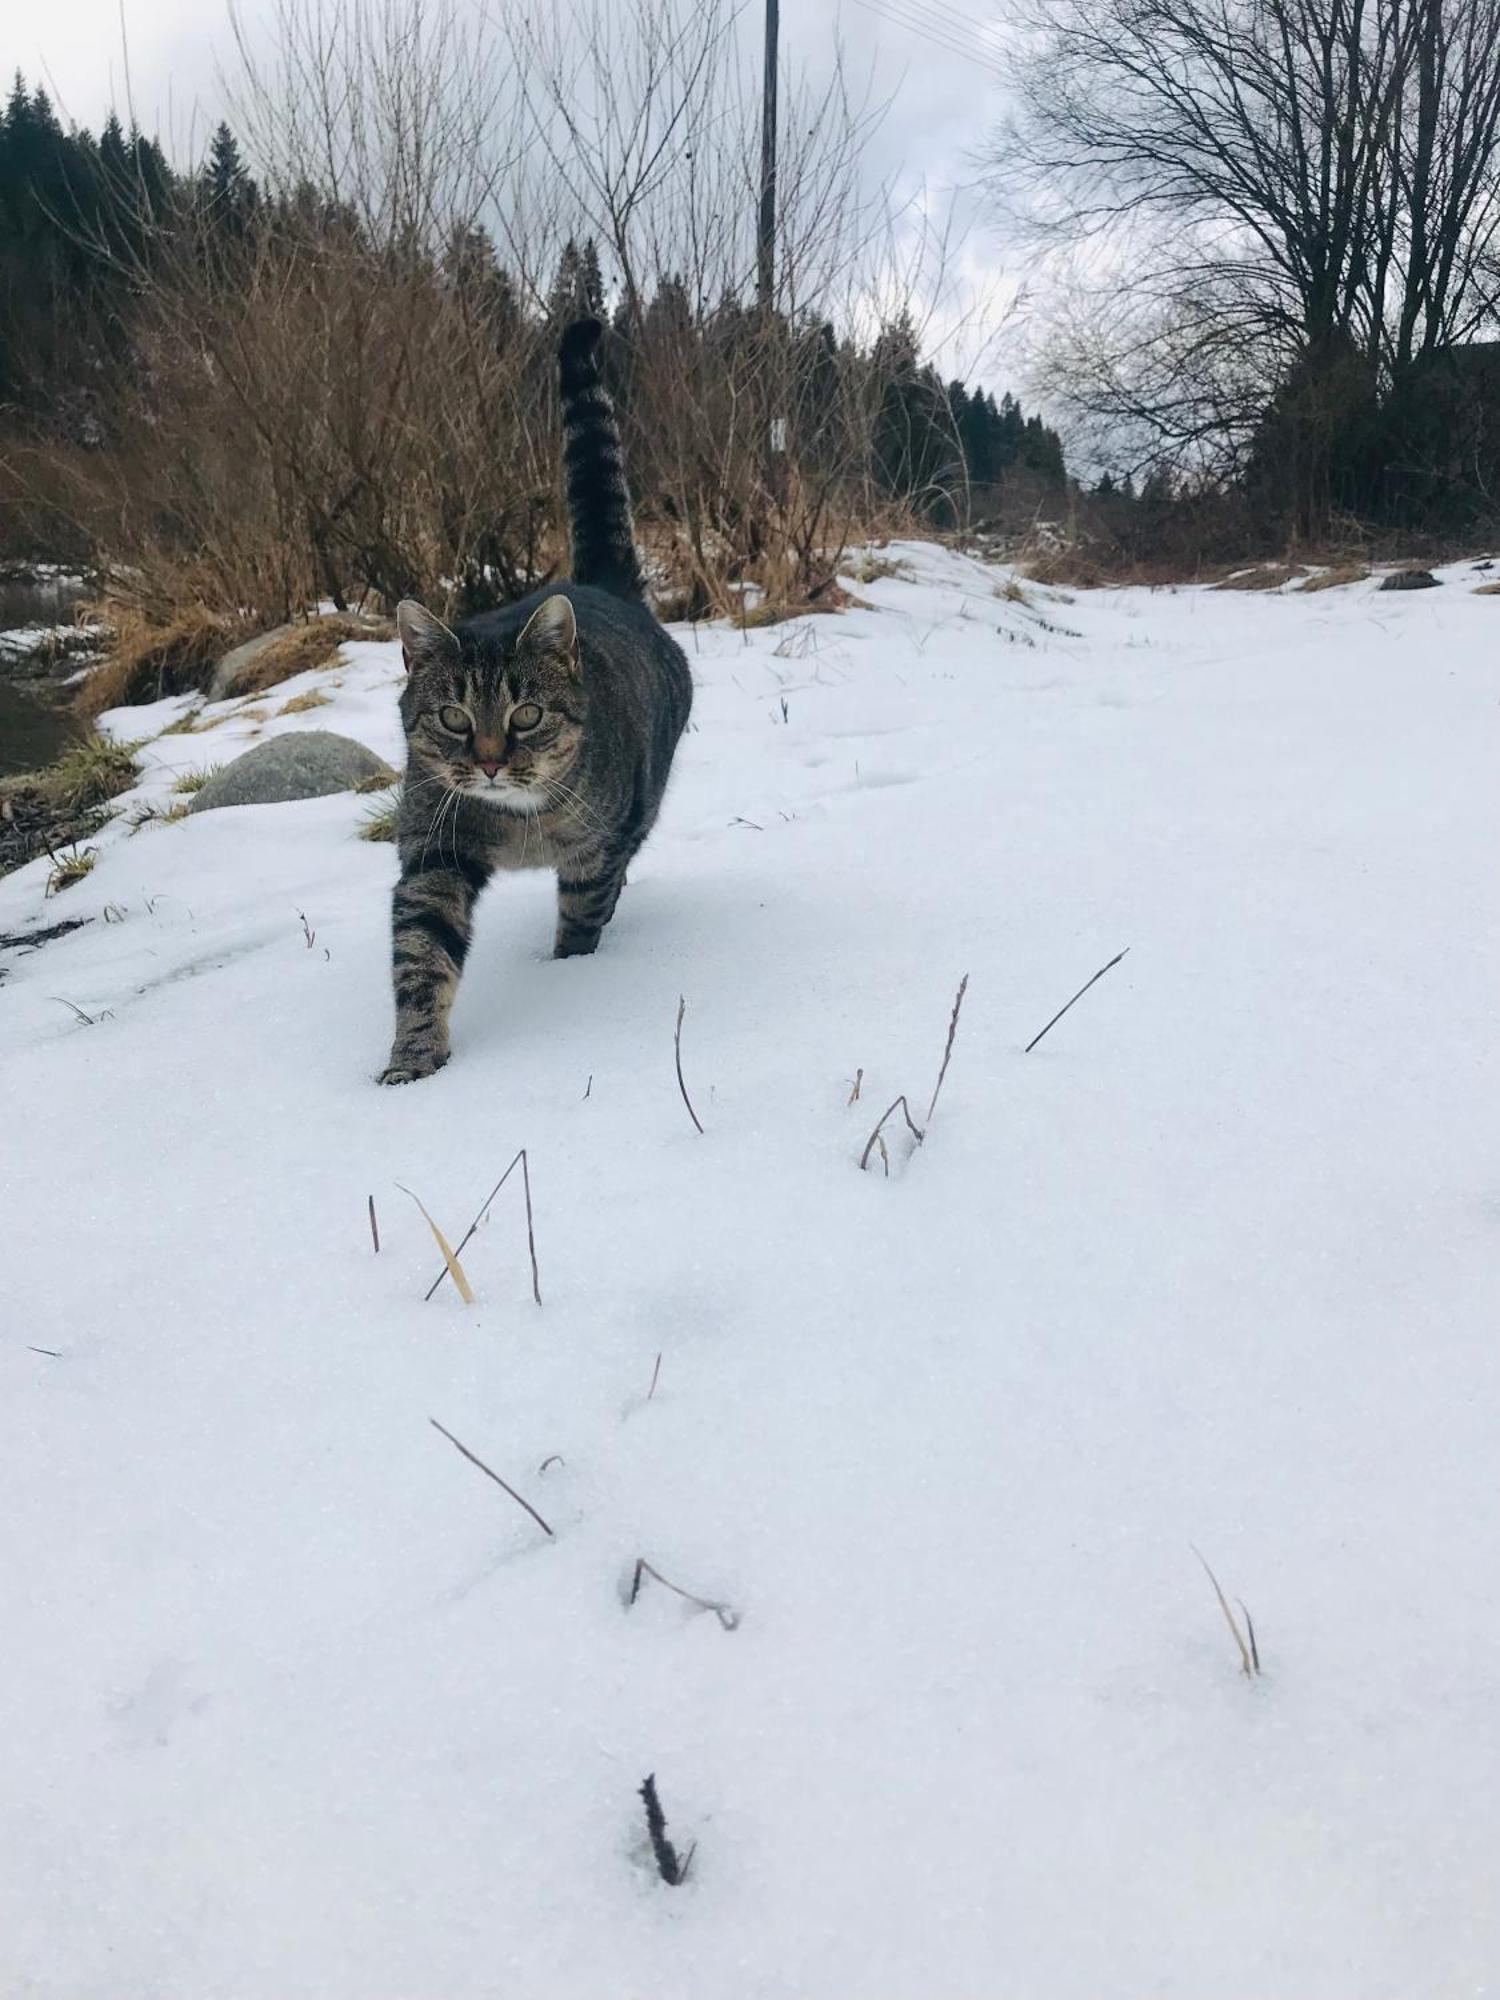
154	654
303	648
300	703
189	782
1337	576
381	823
69	868
147	814
87	774
1263	576
1486	590
873	569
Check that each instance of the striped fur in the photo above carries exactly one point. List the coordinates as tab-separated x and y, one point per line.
572	703
603	534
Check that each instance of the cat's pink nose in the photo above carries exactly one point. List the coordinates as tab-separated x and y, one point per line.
489	769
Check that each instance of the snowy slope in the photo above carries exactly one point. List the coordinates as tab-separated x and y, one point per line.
297	1702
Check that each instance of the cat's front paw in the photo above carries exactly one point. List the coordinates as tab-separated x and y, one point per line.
409	1065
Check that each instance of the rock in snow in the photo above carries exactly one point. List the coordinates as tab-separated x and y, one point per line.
304	764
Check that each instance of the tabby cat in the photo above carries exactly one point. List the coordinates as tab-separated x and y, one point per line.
537	736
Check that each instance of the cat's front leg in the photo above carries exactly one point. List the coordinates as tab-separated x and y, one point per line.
586	898
431	918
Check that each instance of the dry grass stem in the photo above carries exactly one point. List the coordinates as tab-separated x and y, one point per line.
727	1616
1076	998
677	1045
1249	1657
958	1001
655	1372
915	1130
452	1267
671	1870
374	1228
490	1473
536	1283
856	1086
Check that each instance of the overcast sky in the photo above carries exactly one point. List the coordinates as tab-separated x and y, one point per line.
937	60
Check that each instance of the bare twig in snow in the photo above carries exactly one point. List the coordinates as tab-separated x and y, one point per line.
904	1108
727	1616
856	1086
374	1227
490	1472
958	1001
1249	1662
677	1043
655	1372
521	1161
670	1869
450	1260
554	1458
1076	998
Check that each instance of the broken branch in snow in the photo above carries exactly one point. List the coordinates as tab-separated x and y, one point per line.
1076	998
452	1266
677	1043
1249	1655
904	1108
726	1614
958	1001
492	1474
671	1870
536	1283
374	1229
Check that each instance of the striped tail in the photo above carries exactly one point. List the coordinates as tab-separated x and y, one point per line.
598	498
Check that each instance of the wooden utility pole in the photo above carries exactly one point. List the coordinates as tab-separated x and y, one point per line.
765	241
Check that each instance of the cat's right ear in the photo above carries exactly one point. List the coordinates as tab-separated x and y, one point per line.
423	637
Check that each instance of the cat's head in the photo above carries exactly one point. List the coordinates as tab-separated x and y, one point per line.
502	723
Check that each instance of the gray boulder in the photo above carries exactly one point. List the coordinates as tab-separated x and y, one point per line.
233	664
304	764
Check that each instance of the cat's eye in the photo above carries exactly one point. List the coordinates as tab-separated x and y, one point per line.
527	716
455	720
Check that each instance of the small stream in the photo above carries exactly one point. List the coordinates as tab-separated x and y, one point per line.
35	722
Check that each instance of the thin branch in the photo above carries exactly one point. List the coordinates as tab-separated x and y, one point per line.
958	1001
677	1044
1076	998
375	1230
655	1372
492	1474
727	1616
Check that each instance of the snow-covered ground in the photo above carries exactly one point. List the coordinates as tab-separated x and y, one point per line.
297	1702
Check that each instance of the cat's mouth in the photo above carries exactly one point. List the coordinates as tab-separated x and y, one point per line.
504	793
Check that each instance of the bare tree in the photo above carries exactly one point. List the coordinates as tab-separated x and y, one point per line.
1281	196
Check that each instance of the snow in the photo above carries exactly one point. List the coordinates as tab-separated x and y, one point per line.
298	1702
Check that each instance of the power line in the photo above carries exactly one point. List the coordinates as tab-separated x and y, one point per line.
927	30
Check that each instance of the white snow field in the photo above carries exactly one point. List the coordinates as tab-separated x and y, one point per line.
298	1702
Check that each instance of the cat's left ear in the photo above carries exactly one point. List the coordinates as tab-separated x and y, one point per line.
553	629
